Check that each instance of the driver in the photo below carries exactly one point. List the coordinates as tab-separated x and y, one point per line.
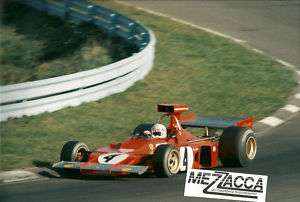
147	133
158	131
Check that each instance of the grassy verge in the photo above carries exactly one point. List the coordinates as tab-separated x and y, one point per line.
212	74
48	46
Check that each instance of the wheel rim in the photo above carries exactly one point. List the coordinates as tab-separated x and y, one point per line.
173	162
251	148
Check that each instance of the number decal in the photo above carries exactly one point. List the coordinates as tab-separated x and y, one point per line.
112	158
187	158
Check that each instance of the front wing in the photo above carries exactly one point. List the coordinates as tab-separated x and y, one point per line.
101	168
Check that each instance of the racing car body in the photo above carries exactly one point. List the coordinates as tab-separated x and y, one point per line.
230	141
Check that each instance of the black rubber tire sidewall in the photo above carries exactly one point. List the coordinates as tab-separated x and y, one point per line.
232	149
243	159
160	159
69	150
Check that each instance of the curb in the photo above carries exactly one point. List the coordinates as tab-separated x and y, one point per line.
287	112
18	176
27	174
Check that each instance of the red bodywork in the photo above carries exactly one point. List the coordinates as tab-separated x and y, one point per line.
195	151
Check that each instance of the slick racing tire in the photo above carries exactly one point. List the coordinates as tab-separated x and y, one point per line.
74	151
237	147
166	161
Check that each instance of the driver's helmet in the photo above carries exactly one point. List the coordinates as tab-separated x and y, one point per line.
159	131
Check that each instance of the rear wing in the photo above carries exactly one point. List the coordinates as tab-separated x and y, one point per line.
217	122
172	108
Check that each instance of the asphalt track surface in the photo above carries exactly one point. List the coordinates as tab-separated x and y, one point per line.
271	26
278	152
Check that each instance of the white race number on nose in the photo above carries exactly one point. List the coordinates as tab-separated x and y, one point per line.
112	158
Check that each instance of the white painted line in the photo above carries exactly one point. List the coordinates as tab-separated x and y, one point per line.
17	175
285	63
271	121
291	108
258	51
297	96
186	23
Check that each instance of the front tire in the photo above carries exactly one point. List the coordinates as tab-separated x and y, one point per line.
166	161
238	146
74	151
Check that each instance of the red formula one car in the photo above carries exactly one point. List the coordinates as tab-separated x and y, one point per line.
166	151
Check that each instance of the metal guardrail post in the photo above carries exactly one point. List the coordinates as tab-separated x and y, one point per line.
131	28
67	8
91	13
114	26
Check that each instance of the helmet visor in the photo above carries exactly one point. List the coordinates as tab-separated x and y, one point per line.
157	133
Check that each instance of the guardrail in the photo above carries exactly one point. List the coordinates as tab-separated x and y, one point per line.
48	95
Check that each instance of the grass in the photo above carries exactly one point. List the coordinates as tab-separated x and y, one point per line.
211	74
49	46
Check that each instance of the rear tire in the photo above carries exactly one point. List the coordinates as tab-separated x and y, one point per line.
166	161
237	146
74	151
